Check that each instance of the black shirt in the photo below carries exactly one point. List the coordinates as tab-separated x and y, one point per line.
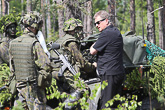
110	49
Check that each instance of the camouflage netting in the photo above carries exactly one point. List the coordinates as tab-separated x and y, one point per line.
153	51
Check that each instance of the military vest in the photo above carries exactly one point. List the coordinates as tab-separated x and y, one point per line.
22	53
63	41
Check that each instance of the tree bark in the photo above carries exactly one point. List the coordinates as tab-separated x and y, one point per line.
0	15
22	1
43	17
0	8
29	5
87	25
132	17
72	10
48	20
60	19
4	8
142	21
68	10
160	27
163	24
150	23
53	26
7	7
111	8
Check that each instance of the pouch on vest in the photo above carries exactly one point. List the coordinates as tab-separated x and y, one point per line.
44	79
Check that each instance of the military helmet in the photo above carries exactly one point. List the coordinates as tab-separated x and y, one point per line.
71	24
5	21
32	19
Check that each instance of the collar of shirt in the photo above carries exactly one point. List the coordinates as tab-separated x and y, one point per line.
110	26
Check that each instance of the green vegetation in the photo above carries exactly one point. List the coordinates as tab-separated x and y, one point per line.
4	79
157	77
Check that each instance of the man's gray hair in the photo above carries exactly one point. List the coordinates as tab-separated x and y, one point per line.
103	14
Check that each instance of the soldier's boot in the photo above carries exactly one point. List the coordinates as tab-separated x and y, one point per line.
75	96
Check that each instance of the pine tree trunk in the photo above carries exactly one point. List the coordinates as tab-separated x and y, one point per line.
132	17
87	25
4	8
72	10
53	26
163	24
0	15
0	8
68	11
7	7
60	19
160	28
43	17
151	22
54	20
111	8
48	20
22	2
29	5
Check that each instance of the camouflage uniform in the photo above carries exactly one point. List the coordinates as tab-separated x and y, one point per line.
31	67
4	53
4	44
70	48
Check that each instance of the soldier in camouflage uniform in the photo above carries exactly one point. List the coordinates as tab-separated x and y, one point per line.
30	64
9	25
70	48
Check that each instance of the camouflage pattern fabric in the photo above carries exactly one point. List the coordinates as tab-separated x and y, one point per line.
31	98
37	100
4	53
71	24
75	58
33	19
78	57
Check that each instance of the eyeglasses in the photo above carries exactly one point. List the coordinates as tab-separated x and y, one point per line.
98	22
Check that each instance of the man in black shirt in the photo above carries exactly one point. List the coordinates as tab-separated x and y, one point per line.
109	48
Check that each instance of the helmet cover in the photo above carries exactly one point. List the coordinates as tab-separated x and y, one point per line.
32	19
71	24
6	20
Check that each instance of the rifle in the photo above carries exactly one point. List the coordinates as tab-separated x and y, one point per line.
66	63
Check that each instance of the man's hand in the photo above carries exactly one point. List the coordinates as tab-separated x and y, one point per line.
94	64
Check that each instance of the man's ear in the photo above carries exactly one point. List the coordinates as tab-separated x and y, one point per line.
107	21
